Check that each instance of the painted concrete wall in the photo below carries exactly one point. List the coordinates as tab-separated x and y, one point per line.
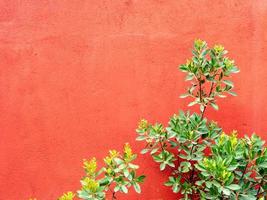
77	75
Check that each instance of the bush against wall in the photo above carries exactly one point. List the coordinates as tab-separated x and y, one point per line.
205	162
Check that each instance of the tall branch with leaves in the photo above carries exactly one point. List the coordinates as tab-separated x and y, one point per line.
208	71
206	163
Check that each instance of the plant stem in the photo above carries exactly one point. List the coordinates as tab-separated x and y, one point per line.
193	170
161	145
258	192
202	113
244	172
211	88
205	106
200	90
262	192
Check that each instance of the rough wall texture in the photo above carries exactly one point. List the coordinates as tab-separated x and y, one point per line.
77	75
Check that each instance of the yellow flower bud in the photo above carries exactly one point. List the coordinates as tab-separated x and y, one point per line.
108	160
66	196
229	63
143	124
90	166
90	184
199	43
113	154
218	48
222	138
233	139
189	62
108	171
128	151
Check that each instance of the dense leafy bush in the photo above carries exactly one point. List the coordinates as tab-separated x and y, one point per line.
118	175
205	162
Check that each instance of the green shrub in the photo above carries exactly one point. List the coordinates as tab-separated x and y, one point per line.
205	162
118	175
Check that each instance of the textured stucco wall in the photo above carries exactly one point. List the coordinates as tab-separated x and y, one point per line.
77	75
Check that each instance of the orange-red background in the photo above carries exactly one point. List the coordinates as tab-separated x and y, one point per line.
77	75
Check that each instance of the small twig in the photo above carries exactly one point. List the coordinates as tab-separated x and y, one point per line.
211	88
205	106
258	192
262	193
161	146
193	170
200	90
244	172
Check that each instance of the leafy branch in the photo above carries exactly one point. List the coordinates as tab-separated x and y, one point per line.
118	175
205	162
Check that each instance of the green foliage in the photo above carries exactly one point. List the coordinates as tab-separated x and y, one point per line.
118	175
206	163
208	71
237	168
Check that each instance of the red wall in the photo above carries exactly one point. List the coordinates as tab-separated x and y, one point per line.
77	75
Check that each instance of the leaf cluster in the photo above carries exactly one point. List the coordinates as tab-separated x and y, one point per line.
208	70
118	175
179	146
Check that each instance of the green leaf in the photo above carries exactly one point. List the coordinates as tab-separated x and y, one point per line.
233	187
157	158
189	77
137	187
83	194
192	103
124	189
200	182
263	165
184	95
215	106
118	161
234	70
175	188
154	150
183	68
162	166
141	137
226	191
247	197
104	181
230	83
202	107
140	179
221	95
171	164
185	166
232	93
168	183
144	151
122	166
126	173
208	184
117	188
133	166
